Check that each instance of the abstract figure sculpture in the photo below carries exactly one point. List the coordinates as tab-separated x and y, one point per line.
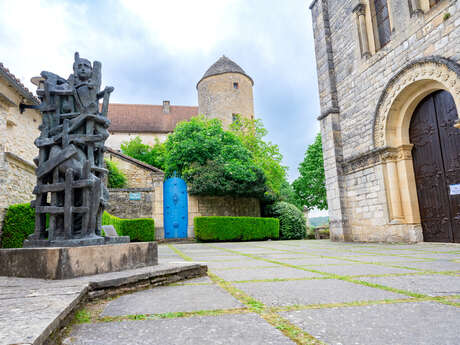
70	191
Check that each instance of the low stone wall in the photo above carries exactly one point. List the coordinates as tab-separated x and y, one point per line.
220	206
131	202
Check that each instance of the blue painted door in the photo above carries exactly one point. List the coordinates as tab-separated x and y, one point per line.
175	208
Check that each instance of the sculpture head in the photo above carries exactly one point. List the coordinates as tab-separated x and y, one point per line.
82	68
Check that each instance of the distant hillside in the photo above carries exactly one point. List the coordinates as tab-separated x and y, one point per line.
317	221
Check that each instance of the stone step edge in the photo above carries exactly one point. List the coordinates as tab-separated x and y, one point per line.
110	287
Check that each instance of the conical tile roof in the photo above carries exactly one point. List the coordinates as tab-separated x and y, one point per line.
224	65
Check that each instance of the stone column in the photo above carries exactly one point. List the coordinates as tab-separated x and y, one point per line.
360	11
332	154
396	211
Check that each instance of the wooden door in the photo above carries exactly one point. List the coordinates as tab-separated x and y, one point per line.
436	157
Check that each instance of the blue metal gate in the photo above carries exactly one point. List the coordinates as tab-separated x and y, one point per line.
175	208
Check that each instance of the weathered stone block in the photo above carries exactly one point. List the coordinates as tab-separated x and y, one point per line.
71	262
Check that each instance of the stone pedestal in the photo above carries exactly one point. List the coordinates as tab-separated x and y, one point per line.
71	262
76	242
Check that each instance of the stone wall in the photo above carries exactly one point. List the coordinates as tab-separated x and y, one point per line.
220	206
17	149
121	203
136	175
350	87
217	98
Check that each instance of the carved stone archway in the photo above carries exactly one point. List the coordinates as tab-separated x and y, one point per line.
392	118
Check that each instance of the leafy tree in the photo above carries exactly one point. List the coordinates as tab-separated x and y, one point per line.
116	178
212	161
154	155
266	155
310	187
292	222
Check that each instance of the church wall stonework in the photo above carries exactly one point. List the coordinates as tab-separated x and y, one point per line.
360	171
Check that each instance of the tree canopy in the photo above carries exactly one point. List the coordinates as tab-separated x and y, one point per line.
310	187
266	154
212	161
154	155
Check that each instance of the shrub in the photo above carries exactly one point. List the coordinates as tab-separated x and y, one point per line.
292	221
18	224
235	228
116	178
139	230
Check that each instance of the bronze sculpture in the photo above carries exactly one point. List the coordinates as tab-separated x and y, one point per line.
70	191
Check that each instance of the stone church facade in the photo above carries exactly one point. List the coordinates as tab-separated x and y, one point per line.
389	86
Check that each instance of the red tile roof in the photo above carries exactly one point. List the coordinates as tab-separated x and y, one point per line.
141	118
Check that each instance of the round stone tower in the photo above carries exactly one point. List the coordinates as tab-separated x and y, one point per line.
224	91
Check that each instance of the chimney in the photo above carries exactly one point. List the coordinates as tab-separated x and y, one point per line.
166	107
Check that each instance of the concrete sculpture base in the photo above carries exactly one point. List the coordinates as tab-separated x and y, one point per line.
71	262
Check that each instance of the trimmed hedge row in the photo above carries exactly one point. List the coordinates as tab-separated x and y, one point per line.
235	228
19	223
139	229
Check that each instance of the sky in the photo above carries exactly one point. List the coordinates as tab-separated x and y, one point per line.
155	50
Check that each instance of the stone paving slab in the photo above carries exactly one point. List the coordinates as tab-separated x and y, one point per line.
425	323
242	329
432	285
320	291
31	309
170	299
436	266
265	273
359	269
309	261
239	263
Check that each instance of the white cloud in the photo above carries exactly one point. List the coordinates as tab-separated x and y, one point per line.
186	25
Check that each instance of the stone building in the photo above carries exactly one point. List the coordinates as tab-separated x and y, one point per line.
17	134
389	86
224	91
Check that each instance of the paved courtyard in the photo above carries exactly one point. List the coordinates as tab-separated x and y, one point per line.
288	292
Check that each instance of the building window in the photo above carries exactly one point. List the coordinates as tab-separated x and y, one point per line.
234	117
434	2
381	19
236	86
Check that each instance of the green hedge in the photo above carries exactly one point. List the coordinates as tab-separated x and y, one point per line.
139	230
292	222
18	224
235	228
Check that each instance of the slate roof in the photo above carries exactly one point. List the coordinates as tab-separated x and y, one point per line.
16	83
143	118
224	65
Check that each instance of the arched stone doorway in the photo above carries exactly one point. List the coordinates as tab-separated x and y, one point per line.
394	111
436	161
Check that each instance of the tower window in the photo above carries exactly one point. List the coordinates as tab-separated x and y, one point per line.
236	86
234	117
381	18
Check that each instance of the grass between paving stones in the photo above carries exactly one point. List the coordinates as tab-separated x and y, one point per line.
343	278
287	328
372	263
